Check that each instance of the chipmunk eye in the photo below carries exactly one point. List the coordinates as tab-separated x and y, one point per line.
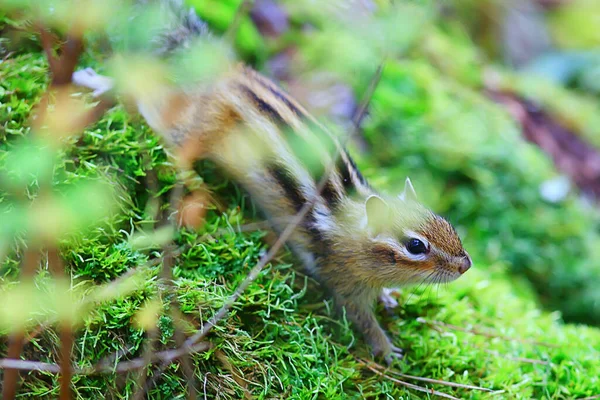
416	246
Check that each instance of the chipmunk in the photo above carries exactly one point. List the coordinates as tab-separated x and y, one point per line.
354	241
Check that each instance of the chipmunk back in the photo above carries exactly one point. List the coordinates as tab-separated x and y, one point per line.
355	241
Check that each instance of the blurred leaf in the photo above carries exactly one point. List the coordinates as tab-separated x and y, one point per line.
77	209
120	288
30	302
141	77
29	162
204	60
154	239
192	210
147	317
575	25
220	13
89	15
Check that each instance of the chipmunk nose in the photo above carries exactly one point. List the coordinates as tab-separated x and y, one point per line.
465	265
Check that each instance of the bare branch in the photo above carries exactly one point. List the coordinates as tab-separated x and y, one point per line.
48	42
31	260
418	378
124	366
517	359
411	386
476	331
56	266
364	105
361	111
240	13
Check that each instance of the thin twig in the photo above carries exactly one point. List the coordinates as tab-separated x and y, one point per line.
362	108
123	366
166	277
163	356
243	383
475	331
518	359
31	260
412	386
48	42
368	95
142	374
56	266
422	379
240	13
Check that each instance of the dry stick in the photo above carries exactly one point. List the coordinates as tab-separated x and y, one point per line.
517	359
31	261
56	266
411	386
167	260
47	43
167	276
235	374
361	111
241	11
166	356
62	69
147	358
16	341
287	232
486	334
422	379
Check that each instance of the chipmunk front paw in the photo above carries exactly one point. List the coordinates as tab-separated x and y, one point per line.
388	352
90	79
388	298
396	353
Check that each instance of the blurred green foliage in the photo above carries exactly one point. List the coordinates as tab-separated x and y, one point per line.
429	120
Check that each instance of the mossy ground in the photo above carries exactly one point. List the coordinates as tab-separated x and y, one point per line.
281	340
428	119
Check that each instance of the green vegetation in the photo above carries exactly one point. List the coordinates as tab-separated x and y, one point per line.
430	119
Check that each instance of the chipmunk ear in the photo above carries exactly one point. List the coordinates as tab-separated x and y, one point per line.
408	194
378	213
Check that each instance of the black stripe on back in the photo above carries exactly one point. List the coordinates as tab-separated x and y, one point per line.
263	106
281	96
331	195
291	187
287	102
360	177
288	183
346	177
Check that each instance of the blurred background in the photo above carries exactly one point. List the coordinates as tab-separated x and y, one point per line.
492	107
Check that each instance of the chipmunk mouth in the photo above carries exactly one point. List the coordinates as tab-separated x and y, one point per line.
443	276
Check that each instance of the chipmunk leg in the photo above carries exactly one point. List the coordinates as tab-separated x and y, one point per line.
361	313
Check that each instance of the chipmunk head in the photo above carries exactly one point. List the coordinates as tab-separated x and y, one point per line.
411	243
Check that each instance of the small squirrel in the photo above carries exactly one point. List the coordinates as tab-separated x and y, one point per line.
354	241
